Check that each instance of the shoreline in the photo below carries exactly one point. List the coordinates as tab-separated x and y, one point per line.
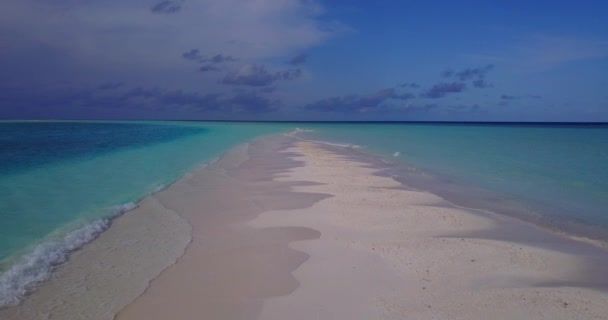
422	258
262	186
467	196
71	274
174	294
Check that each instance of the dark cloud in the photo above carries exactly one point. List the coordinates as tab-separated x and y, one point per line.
356	103
251	102
134	102
441	89
220	58
175	98
299	59
412	85
474	73
481	83
193	55
166	7
477	76
258	76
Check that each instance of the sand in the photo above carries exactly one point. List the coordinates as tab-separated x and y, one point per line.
386	252
369	248
288	229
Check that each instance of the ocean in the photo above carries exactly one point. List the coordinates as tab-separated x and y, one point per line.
551	174
61	183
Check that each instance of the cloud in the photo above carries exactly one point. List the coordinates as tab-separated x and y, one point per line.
252	102
257	75
136	102
481	83
166	7
76	44
220	58
440	90
356	103
299	59
474	73
193	55
507	99
249	102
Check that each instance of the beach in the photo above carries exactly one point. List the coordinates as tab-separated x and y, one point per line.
282	228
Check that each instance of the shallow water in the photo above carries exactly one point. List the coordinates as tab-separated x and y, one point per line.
554	173
61	183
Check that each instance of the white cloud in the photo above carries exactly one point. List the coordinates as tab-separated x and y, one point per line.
125	35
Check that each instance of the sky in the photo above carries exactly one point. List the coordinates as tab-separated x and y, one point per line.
304	60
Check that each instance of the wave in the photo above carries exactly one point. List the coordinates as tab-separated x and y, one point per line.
37	266
159	188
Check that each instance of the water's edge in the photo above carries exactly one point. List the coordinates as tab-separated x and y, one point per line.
468	197
93	251
51	269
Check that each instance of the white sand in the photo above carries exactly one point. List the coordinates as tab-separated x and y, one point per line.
382	256
327	239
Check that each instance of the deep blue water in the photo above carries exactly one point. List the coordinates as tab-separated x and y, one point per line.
26	145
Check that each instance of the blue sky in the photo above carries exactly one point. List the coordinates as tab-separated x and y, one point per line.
304	60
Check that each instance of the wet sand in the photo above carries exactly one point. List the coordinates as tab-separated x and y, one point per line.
230	268
288	229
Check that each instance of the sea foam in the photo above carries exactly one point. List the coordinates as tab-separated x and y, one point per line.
37	266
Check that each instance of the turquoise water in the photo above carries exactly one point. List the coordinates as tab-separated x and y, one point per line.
61	182
559	171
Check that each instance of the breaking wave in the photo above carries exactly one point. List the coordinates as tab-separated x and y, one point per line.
37	266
